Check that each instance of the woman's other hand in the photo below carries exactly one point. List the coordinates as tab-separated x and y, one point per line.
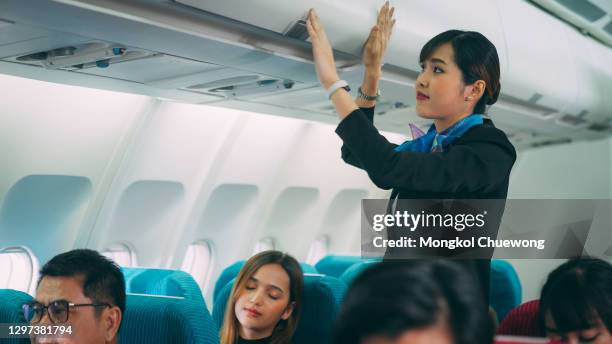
321	51
376	45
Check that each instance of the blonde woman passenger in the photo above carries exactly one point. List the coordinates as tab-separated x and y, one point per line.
265	301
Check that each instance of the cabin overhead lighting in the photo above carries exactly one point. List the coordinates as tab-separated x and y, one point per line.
529	108
584	8
551	142
5	23
608	28
228	82
86	55
573	121
253	88
589	16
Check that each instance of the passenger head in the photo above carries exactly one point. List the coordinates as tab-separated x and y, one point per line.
460	75
83	289
433	302
265	299
576	302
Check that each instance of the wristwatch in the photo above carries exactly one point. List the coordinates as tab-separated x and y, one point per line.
364	96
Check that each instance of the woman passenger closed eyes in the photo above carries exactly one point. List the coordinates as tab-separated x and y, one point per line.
265	301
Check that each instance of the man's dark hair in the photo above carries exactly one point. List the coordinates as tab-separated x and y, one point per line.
103	281
392	297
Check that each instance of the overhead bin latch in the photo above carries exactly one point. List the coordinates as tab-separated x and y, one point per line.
297	30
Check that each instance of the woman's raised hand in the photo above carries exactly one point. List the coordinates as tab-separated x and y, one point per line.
321	51
376	45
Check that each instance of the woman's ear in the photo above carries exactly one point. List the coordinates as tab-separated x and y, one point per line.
288	311
475	90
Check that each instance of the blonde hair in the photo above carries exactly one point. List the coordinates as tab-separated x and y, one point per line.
284	330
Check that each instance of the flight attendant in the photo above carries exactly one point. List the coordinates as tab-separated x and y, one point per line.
462	156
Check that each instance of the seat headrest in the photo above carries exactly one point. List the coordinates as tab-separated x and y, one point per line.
355	270
166	319
162	282
226	275
522	321
11	311
321	302
505	287
336	265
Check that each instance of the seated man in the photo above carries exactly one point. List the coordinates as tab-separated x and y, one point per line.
83	290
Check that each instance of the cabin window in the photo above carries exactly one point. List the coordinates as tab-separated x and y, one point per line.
18	269
198	262
318	249
265	244
122	254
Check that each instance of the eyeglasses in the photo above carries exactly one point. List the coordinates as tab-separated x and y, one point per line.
58	310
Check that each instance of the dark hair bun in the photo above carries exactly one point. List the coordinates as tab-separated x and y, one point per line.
493	94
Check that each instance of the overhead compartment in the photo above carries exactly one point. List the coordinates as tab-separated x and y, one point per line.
594	80
255	55
174	34
541	70
348	25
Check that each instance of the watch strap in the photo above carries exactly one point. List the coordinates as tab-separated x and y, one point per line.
336	86
364	96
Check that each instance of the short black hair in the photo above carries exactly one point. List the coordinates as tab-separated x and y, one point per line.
103	281
477	59
577	294
392	297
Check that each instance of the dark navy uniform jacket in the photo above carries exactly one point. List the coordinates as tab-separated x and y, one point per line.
475	166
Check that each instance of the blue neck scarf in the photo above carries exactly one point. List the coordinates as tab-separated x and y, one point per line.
446	137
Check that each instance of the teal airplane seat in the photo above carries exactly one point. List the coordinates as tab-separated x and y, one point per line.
166	319
11	311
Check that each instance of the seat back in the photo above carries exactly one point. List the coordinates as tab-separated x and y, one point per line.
336	265
505	288
226	275
505	285
355	270
162	282
521	321
320	306
166	319
308	269
11	311
321	302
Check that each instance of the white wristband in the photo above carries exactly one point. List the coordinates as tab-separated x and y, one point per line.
337	85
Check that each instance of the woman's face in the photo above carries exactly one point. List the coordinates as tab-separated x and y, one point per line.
263	302
595	335
441	93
